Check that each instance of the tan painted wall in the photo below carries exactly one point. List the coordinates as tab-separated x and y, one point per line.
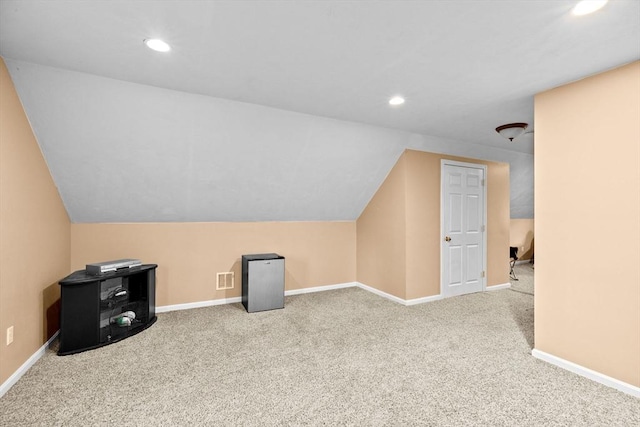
381	236
423	224
522	237
34	236
587	199
498	215
410	200
190	254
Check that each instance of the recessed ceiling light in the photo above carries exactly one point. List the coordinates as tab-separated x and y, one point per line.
396	100
586	7
157	45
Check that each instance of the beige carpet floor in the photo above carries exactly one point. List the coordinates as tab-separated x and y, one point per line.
343	357
524	273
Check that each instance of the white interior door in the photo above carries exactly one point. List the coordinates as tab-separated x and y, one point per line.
463	228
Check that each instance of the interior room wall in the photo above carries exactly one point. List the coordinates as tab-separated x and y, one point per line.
190	254
521	233
410	200
34	237
381	235
587	200
497	223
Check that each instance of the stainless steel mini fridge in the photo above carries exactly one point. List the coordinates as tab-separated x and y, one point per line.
262	282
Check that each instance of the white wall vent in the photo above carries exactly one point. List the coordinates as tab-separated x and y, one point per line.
225	281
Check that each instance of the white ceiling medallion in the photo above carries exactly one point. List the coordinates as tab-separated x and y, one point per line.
157	45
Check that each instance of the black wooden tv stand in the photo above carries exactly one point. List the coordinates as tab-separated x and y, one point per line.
92	307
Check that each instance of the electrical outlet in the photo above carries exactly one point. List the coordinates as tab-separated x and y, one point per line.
9	335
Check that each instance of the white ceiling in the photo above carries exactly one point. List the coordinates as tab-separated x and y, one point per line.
464	67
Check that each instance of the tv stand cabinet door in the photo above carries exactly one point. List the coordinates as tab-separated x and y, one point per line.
79	317
151	292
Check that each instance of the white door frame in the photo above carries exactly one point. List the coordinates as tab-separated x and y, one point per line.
444	162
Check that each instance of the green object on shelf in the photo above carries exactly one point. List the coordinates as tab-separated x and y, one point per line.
123	321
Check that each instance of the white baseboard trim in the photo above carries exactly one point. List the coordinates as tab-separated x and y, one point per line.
498	287
320	288
587	373
26	365
399	300
199	304
423	300
234	300
382	294
222	301
523	261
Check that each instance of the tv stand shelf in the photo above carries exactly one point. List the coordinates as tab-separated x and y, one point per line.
91	305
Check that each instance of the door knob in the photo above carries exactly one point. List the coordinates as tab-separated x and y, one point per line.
447	239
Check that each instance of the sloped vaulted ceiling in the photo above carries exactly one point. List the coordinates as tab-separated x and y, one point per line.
127	152
277	110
